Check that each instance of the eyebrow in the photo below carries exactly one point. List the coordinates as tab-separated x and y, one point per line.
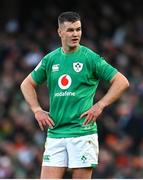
74	28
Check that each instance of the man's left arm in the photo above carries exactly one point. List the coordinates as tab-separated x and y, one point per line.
119	84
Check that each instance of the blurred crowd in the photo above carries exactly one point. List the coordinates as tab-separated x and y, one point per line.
113	30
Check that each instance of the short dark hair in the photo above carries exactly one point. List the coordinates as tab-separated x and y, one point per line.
69	16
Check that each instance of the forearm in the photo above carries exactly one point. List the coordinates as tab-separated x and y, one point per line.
118	85
30	95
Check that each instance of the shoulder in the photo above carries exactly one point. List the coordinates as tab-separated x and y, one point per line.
89	53
52	54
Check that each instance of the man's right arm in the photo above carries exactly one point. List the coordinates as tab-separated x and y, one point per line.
28	88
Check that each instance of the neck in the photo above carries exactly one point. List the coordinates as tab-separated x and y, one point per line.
69	49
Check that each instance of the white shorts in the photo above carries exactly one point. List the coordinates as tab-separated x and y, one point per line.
72	152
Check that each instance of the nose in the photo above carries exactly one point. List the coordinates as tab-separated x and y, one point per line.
75	33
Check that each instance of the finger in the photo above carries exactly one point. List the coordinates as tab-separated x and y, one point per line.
88	119
95	117
41	126
49	119
50	122
83	114
43	122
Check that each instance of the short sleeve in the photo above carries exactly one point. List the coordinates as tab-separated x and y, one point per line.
39	73
104	70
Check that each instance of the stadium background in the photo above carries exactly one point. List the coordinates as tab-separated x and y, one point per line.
28	30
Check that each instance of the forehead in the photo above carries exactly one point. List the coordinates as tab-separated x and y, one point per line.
67	24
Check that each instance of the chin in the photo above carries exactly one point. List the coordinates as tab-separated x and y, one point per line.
74	45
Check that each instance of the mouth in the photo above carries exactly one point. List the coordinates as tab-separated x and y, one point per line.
75	40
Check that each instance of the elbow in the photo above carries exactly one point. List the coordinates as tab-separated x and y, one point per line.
126	84
25	83
22	85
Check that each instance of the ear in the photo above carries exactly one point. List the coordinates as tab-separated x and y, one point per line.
59	32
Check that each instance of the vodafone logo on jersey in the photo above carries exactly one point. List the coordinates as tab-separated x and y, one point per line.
64	81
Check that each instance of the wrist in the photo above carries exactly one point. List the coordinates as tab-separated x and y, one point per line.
101	105
35	110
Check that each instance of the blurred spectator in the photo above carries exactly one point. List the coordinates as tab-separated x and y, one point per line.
114	30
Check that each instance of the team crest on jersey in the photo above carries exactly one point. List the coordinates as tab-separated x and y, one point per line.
77	66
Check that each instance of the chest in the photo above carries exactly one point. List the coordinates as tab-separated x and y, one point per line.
76	68
66	72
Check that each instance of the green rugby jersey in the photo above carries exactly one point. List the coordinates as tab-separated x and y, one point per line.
72	80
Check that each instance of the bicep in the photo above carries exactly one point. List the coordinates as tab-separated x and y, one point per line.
114	78
119	77
29	81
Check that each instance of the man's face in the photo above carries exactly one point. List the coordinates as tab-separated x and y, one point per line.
70	33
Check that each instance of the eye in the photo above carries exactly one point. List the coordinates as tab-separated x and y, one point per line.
78	29
70	30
